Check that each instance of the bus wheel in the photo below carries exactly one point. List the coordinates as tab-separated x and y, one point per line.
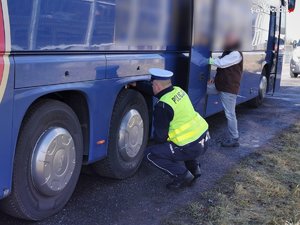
256	102
128	137
47	162
293	75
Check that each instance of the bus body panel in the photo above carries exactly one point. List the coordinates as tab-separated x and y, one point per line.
6	102
124	65
198	77
199	69
178	62
253	67
41	70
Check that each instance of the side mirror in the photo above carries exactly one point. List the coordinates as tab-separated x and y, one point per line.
292	5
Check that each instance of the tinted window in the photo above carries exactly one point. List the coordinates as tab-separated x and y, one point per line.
20	21
104	23
62	22
68	25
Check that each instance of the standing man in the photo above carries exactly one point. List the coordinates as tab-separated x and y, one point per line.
227	82
180	133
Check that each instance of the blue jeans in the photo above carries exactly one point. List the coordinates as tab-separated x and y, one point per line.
229	102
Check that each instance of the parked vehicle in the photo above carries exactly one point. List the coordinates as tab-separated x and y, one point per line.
295	61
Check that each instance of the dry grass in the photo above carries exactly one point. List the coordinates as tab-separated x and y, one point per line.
263	189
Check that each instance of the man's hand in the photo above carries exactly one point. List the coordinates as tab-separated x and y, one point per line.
211	81
211	61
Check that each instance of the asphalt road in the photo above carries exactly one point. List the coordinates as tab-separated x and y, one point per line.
144	199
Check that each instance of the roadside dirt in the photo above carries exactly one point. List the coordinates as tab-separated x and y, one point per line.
263	189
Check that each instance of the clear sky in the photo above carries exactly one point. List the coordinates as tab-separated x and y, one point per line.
293	23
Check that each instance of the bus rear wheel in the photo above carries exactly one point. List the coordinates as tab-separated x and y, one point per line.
47	162
127	137
293	75
262	92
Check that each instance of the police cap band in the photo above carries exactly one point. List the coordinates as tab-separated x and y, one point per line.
160	74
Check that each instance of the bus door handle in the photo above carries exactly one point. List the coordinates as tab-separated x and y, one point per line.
202	77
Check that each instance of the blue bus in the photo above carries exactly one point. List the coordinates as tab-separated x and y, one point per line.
65	70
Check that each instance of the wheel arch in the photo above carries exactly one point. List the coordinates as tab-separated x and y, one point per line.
149	101
258	100
109	166
77	101
148	98
266	67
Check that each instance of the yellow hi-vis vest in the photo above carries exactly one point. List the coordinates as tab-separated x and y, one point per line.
187	125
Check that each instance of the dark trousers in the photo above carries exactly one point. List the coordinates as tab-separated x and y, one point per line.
175	160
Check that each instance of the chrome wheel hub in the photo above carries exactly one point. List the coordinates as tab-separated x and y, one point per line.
263	87
53	161
131	135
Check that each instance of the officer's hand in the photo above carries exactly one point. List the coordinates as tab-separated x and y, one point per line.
133	84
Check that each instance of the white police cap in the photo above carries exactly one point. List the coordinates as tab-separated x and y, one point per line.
160	74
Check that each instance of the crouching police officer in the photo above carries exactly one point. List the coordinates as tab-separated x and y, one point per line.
181	133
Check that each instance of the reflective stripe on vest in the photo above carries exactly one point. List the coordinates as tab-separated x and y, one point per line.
187	125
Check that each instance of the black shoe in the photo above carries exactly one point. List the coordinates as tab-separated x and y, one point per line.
181	181
196	172
231	143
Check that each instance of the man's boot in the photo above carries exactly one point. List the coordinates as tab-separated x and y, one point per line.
231	143
181	181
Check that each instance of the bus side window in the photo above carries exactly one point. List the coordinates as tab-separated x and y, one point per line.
61	22
104	25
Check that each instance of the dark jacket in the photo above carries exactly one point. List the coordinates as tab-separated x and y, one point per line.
229	79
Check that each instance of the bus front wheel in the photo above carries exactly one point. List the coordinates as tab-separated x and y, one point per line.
47	161
127	137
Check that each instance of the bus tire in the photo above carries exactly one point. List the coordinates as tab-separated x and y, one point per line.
293	75
257	101
128	137
47	162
